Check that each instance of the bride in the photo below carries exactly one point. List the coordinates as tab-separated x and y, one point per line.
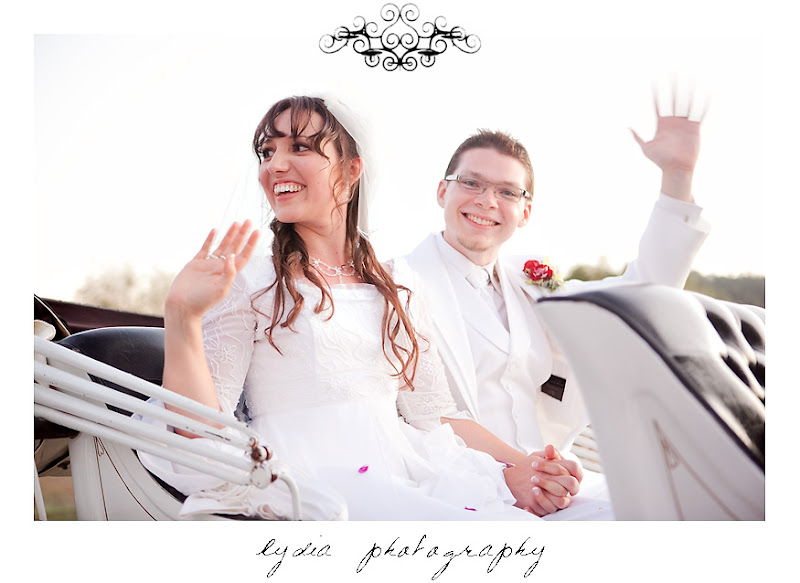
328	345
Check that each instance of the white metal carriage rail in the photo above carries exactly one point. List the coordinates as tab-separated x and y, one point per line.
65	394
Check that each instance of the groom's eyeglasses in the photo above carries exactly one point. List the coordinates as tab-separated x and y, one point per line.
478	186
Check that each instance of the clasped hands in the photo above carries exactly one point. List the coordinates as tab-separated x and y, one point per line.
545	482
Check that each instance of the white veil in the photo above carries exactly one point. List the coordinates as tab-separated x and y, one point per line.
356	126
247	201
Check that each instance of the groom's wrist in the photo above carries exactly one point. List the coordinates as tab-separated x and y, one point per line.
677	183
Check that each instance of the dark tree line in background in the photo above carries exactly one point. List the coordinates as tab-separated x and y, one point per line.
742	289
122	288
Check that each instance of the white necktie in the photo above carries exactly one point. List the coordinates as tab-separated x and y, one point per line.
488	289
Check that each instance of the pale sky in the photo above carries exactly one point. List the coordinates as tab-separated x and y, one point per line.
142	133
141	140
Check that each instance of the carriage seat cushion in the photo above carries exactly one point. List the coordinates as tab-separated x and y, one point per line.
137	350
133	349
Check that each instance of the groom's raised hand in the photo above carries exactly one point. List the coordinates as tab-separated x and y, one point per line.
675	148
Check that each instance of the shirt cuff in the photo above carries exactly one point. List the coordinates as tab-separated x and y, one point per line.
686	212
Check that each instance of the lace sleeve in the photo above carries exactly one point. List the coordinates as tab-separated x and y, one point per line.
431	398
228	335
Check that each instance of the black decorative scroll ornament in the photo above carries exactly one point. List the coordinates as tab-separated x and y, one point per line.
400	45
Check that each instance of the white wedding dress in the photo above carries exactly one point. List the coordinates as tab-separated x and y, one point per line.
327	404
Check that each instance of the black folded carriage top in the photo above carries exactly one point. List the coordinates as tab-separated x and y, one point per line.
675	324
674	384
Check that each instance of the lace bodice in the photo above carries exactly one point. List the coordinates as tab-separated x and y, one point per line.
330	357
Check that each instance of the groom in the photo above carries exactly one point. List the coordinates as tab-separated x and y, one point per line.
500	364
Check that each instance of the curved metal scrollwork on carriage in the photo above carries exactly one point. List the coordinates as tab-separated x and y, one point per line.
399	45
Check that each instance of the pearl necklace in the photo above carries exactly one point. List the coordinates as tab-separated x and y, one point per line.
346	270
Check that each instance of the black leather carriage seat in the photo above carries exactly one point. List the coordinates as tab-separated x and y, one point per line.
675	324
136	350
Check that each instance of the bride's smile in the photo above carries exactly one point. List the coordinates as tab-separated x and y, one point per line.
298	181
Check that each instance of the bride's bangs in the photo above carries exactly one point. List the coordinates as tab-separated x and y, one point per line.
302	109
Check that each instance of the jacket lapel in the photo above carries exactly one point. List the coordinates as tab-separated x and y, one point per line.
448	320
528	338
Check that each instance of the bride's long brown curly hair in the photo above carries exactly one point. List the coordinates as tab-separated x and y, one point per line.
289	254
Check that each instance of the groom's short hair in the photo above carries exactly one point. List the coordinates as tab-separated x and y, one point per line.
500	142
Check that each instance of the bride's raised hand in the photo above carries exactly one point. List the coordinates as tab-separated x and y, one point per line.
207	278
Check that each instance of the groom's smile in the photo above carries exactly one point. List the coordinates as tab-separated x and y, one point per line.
480	221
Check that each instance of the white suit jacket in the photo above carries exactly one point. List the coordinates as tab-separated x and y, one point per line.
513	366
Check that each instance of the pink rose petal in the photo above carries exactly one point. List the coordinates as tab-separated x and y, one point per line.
363	469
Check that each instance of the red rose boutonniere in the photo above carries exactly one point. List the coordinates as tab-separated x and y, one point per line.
541	274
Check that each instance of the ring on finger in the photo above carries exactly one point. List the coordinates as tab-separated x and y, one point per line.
212	256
